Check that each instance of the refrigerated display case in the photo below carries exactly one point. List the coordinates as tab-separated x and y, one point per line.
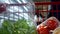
17	17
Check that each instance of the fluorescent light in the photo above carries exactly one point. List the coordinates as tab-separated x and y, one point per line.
10	10
19	1
7	1
24	1
25	15
25	8
18	9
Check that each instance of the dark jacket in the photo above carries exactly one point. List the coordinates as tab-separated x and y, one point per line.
53	7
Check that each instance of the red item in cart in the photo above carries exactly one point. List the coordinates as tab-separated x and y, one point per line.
52	24
2	8
43	30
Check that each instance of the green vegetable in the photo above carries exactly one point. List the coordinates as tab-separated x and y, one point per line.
18	27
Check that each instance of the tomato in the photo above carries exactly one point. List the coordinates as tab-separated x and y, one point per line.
52	24
43	30
2	8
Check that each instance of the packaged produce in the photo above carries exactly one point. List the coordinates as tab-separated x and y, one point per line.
52	23
43	29
48	26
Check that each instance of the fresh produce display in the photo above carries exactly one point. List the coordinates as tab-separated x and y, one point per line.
18	27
